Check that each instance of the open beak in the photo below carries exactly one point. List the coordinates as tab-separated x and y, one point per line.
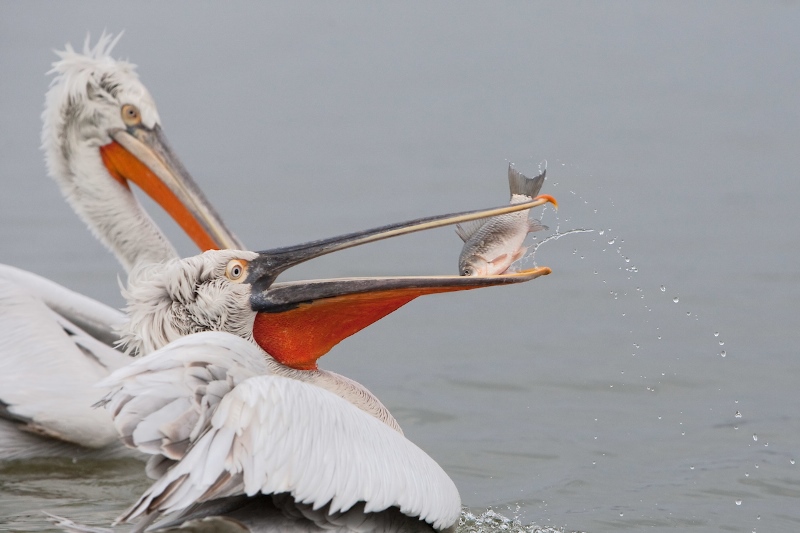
299	322
143	156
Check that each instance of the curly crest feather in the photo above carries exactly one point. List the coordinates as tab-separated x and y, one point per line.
170	300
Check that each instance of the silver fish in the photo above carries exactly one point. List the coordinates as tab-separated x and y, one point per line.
491	245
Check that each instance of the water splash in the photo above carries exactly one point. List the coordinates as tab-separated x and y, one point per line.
491	521
554	237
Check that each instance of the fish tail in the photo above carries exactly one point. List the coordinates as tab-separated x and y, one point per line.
521	184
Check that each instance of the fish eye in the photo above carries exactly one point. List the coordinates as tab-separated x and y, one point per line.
466	272
131	115
236	270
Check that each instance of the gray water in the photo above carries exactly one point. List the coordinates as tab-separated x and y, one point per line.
673	127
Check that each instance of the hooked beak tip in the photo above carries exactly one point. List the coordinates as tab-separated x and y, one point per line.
546	198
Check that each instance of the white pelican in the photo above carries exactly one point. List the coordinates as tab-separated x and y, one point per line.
245	431
101	131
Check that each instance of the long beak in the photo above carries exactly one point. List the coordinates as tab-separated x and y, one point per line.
299	322
144	157
272	263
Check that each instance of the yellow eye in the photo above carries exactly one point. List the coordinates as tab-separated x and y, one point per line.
131	115
236	270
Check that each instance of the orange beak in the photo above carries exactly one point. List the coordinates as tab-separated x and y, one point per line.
144	157
298	334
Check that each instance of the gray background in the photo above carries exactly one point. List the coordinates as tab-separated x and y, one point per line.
673	127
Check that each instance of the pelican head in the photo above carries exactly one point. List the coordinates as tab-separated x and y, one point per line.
296	322
101	129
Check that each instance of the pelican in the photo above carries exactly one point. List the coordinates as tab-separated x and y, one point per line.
246	433
101	131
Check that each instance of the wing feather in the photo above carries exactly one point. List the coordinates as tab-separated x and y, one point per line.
271	434
161	404
48	367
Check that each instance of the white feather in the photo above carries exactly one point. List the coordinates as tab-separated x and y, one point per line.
272	434
48	367
82	105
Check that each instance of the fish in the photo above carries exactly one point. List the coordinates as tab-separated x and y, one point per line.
491	245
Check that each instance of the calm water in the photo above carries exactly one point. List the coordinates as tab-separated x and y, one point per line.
588	399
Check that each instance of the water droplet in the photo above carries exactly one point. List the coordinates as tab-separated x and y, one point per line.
659	337
663	289
688	313
755	437
627	259
735	427
738	502
791	461
691	467
676	299
738	414
595	272
612	241
601	232
722	343
621	514
716	333
723	353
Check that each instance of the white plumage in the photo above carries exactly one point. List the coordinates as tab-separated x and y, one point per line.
47	372
65	341
82	107
248	430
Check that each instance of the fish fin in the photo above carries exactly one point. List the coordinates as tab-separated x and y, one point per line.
460	232
465	230
536	225
499	259
519	254
521	184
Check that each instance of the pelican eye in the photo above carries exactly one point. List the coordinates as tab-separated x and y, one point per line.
236	270
131	115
